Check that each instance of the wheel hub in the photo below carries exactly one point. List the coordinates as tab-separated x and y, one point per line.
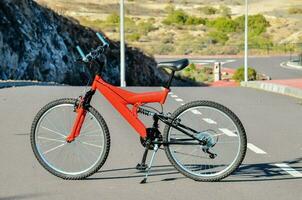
209	138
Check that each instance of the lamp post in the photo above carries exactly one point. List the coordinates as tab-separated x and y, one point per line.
246	42
122	43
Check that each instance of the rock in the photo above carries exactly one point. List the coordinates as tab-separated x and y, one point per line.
38	44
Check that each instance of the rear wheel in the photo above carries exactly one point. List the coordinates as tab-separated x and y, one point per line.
223	133
78	159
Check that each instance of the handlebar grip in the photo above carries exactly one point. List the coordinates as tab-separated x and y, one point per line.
81	52
104	41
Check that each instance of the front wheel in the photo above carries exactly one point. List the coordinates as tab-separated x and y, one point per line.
78	159
221	131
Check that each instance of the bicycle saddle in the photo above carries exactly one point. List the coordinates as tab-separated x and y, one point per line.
174	65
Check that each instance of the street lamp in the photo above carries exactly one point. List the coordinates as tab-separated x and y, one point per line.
246	42
122	43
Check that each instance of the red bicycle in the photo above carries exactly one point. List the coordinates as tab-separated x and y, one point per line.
203	140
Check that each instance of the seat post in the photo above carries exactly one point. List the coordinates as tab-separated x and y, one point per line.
170	80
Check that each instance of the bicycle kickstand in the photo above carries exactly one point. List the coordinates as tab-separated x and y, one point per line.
150	164
143	166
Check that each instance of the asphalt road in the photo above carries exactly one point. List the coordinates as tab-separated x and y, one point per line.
272	122
269	66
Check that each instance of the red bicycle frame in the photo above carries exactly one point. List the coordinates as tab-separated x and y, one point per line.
120	99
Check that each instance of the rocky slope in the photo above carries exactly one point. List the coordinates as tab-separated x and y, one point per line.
38	44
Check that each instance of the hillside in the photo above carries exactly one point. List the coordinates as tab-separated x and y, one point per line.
39	44
145	27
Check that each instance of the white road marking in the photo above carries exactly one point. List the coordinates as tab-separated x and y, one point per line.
210	121
228	132
196	112
201	60
182	104
174	96
170	92
289	170
255	149
179	100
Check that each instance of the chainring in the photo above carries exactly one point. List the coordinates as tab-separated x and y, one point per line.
152	134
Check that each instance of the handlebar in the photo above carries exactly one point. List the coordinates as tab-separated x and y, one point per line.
104	41
82	54
94	53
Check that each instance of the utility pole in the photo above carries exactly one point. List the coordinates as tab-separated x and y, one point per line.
246	42
122	43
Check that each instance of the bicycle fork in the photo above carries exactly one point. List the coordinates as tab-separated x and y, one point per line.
81	110
81	114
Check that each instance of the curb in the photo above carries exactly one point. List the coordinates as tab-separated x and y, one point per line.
275	88
291	65
294	65
8	84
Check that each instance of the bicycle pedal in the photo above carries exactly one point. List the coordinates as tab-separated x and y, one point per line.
141	167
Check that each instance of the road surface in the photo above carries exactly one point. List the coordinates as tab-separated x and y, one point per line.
272	168
269	66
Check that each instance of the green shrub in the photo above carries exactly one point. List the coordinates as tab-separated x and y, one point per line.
164	49
257	24
239	74
225	11
208	10
180	17
260	41
294	11
145	27
192	20
198	74
190	68
167	38
176	17
218	37
133	37
114	18
223	24
169	8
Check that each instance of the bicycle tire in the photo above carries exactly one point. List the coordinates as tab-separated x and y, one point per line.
241	133
76	176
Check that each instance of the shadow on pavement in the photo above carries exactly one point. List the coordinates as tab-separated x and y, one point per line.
266	172
132	172
246	172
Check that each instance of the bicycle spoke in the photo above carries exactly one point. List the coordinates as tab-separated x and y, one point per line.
54	131
213	126
51	123
50	139
52	149
77	157
88	132
93	145
89	135
186	154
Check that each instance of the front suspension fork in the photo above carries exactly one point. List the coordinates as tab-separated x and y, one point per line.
81	114
81	110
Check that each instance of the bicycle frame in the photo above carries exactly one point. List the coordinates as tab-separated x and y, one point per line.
120	99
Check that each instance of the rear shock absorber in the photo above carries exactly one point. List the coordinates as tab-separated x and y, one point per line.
145	112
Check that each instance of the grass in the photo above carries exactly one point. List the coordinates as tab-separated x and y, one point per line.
190	27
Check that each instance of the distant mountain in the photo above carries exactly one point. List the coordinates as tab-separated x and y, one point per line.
38	44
